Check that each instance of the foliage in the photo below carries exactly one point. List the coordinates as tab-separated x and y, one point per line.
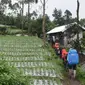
83	43
58	63
3	5
36	1
58	19
67	16
82	22
10	75
3	30
35	26
74	31
50	25
77	45
57	14
83	34
81	74
32	26
12	31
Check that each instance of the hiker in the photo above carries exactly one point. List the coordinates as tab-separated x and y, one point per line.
52	42
58	50
73	60
64	57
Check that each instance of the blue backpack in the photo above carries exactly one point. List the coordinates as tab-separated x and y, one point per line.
72	57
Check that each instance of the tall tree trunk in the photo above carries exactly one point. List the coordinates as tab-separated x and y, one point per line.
78	17
43	25
78	4
22	11
28	14
79	46
28	9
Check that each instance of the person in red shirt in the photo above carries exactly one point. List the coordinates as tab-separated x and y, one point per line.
64	57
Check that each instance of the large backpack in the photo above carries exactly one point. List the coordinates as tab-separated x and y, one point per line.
72	57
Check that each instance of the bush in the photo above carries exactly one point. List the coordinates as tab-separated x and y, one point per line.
10	75
3	30
81	74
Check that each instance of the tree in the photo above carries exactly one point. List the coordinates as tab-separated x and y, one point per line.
57	14
43	23
78	5
29	15
18	21
23	2
67	16
58	18
36	25
82	22
76	30
21	12
28	3
3	5
36	1
49	24
34	15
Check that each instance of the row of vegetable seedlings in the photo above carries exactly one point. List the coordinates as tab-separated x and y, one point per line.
42	72
19	58
26	65
31	64
46	82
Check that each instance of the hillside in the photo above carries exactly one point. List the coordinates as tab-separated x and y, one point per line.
35	61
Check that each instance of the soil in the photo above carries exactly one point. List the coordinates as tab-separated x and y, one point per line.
68	81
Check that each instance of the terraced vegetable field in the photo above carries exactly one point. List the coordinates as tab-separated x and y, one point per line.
28	55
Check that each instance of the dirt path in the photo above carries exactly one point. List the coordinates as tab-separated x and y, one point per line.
68	81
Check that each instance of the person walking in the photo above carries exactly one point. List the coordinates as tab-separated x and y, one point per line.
64	57
73	60
58	50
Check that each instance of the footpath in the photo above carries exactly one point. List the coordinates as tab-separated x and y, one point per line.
68	81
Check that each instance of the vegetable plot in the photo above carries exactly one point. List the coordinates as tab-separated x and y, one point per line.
28	55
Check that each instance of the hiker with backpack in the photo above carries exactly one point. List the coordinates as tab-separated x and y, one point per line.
64	57
58	50
73	60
